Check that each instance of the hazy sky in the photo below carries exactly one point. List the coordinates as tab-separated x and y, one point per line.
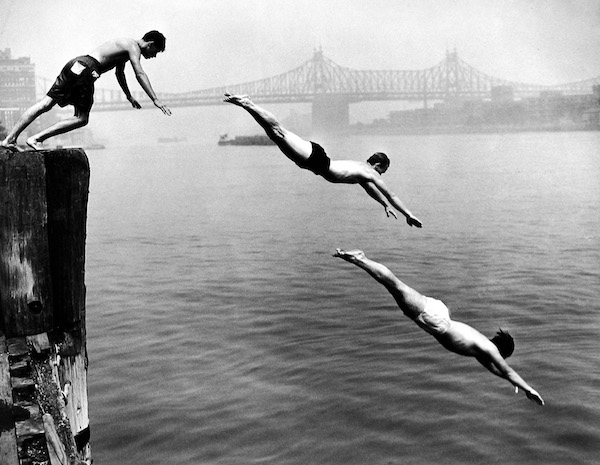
218	42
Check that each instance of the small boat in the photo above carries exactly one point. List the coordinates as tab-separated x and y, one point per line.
258	139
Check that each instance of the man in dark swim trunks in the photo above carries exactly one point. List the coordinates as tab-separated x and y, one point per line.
433	316
311	156
75	86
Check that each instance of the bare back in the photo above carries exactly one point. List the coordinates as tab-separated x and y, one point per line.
463	339
116	52
350	172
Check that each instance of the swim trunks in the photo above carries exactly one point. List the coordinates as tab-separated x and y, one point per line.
318	162
435	318
75	83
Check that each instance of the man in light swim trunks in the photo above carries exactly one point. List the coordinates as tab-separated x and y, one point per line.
75	86
433	316
311	156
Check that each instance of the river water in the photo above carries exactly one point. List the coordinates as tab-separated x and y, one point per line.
222	331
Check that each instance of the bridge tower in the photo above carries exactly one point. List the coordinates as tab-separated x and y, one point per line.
453	76
330	110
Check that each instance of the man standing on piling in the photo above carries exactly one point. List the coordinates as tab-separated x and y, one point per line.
75	86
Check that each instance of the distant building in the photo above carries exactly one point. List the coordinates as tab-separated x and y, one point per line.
591	118
596	90
551	110
17	86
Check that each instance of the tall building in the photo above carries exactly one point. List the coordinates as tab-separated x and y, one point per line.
17	87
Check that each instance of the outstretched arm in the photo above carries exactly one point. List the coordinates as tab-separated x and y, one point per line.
142	78
378	196
122	80
493	361
377	189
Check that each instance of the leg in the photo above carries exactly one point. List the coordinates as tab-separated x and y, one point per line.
409	300
78	120
292	145
25	120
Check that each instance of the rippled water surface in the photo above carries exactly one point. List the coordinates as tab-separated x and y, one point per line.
221	330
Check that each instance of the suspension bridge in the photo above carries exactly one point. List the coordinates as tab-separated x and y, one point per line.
331	88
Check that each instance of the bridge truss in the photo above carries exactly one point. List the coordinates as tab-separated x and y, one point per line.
452	78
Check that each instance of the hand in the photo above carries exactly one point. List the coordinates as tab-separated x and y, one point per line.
413	221
162	107
134	103
389	212
534	397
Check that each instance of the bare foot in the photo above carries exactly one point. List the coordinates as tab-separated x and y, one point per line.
34	144
239	100
351	256
11	146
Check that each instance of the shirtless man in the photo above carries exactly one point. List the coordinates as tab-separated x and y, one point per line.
433	316
75	86
311	156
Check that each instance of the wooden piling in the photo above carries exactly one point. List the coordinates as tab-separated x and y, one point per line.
43	357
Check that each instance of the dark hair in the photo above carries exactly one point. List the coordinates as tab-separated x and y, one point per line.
159	40
504	342
379	157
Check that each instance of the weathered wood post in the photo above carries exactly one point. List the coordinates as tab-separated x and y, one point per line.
43	358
